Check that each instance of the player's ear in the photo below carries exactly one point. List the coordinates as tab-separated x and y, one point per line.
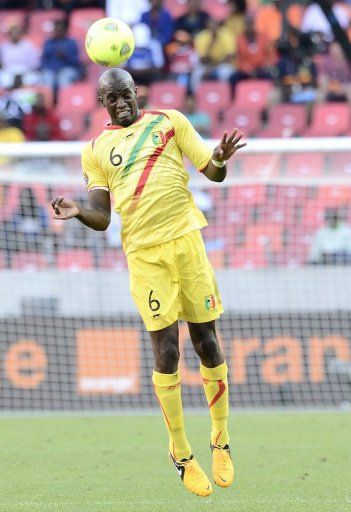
101	101
136	91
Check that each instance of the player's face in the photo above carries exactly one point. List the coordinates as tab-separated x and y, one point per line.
120	102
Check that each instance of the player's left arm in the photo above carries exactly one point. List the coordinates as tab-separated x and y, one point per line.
216	169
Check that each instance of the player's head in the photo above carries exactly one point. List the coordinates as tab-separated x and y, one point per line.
118	94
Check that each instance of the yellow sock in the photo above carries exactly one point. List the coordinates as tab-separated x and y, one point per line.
168	392
216	389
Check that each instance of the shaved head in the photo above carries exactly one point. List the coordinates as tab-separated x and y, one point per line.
118	94
120	78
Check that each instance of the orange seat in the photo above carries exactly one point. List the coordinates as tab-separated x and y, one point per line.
41	25
247	195
212	97
78	97
267	235
264	165
285	120
244	119
304	165
253	93
167	95
99	118
72	125
30	261
335	196
329	120
75	260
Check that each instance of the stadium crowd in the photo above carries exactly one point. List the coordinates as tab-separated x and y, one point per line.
273	69
250	55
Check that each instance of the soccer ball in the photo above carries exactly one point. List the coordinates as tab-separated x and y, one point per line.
109	42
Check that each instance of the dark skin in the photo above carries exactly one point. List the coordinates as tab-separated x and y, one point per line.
118	94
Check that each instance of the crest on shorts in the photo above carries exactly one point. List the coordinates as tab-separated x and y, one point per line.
158	138
210	302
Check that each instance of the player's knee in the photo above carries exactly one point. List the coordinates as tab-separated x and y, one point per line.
167	358
209	351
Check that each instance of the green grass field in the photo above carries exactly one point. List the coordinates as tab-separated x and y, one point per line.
284	462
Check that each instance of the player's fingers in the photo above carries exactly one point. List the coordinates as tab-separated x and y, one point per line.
224	138
241	145
232	135
237	139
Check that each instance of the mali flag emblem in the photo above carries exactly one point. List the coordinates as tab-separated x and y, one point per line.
159	138
210	302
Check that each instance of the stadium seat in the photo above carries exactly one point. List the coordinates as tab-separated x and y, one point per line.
339	164
212	97
11	201
8	18
167	95
80	21
78	97
285	120
99	118
253	93
265	165
41	25
72	124
313	215
248	258
217	9
267	235
247	195
75	260
329	120
304	165
335	196
176	7
113	260
245	119
30	261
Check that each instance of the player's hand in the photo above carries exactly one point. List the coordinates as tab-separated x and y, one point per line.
64	208
228	146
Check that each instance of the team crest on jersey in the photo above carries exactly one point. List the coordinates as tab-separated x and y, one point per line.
210	302
158	138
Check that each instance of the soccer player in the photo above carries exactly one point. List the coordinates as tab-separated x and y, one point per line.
138	158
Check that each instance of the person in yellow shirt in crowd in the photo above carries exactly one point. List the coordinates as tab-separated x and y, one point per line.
9	133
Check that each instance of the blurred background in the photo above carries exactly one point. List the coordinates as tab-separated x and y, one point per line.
279	233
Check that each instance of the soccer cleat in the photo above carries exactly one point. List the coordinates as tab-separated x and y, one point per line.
222	465
192	476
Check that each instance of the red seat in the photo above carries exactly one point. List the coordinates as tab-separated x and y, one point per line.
41	24
9	18
113	260
244	119
247	195
304	165
267	235
30	261
80	21
285	121
248	258
334	196
253	93
217	9
212	97
72	124
11	202
99	118
264	165
167	95
340	164
78	97
75	260
329	120
176	7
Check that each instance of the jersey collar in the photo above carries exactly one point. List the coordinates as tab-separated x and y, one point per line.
116	127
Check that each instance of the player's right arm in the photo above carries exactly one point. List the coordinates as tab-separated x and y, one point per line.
97	217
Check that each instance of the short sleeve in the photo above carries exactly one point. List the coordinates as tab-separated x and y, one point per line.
189	141
93	175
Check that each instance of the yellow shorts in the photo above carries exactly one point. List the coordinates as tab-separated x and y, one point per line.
174	281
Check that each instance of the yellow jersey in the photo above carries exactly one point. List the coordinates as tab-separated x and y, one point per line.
142	166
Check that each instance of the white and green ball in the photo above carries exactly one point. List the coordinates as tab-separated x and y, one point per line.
109	42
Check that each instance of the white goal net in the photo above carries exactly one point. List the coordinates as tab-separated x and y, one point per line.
279	238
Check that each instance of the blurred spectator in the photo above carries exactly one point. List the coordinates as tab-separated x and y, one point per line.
69	5
334	75
182	58
30	222
269	19
9	133
201	121
216	47
147	59
11	109
314	19
297	74
60	62
122	10
331	244
255	54
18	57
160	21
235	21
194	20
41	124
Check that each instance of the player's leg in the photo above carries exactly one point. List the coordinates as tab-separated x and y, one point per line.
214	372
166	379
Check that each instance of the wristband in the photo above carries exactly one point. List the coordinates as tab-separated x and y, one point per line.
219	163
